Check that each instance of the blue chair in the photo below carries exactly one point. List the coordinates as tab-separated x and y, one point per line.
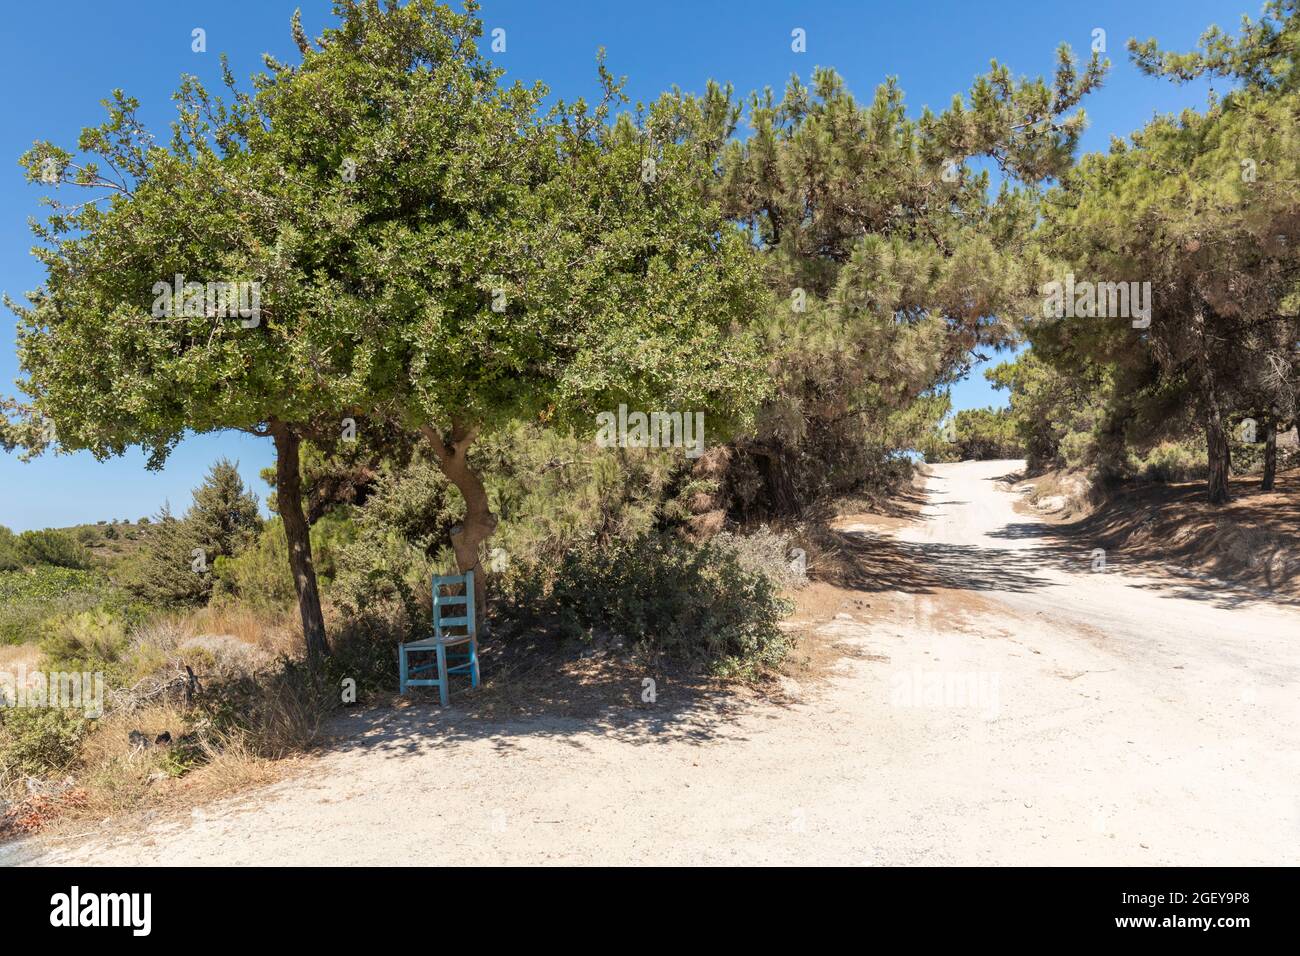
443	639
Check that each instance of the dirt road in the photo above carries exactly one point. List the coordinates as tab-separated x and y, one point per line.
999	702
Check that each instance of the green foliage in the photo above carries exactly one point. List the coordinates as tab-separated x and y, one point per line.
223	517
259	575
1261	57
550	491
164	574
976	434
1203	207
887	260
12	554
1172	461
85	641
672	602
177	564
1050	406
29	596
53	546
39	741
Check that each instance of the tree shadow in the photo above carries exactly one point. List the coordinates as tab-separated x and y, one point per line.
540	688
1230	556
866	561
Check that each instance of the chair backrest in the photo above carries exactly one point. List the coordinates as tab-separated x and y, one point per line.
446	606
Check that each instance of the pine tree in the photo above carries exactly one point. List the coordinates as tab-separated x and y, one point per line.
224	517
176	566
1203	207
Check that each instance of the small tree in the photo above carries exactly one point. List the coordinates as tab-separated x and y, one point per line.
176	566
517	265
224	515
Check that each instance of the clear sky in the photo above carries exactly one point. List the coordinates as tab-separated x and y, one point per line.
59	61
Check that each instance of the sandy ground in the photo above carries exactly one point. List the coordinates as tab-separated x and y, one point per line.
1004	704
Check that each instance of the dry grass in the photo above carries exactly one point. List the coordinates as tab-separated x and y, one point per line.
235	651
273	631
13	656
1060	495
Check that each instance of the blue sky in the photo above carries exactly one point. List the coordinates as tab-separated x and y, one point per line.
59	62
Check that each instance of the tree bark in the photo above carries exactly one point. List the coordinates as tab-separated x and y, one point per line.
452	454
288	495
1220	455
1270	454
1216	436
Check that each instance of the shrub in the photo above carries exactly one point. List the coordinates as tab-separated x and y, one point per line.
55	547
1076	449
38	741
274	713
85	641
1173	461
259	575
769	552
30	596
12	556
696	606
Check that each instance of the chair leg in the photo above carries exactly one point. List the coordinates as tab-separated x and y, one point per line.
401	668
473	663
442	674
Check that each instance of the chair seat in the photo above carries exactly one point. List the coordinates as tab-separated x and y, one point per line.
430	643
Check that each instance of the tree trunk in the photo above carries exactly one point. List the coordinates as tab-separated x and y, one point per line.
288	494
452	454
1216	443
782	499
1216	437
1270	454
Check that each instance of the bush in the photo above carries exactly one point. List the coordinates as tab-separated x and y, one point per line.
12	556
28	597
769	552
260	574
549	492
1173	461
273	713
86	641
690	605
38	741
51	546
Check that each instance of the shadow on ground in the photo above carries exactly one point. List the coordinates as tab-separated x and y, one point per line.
1232	555
535	687
872	562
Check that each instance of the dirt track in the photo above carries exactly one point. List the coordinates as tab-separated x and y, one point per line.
1000	703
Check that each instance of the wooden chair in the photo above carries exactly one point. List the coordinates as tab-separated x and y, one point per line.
443	639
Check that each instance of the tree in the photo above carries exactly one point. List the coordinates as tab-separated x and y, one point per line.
427	246
1203	207
1048	404
224	515
522	266
177	563
165	573
887	259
